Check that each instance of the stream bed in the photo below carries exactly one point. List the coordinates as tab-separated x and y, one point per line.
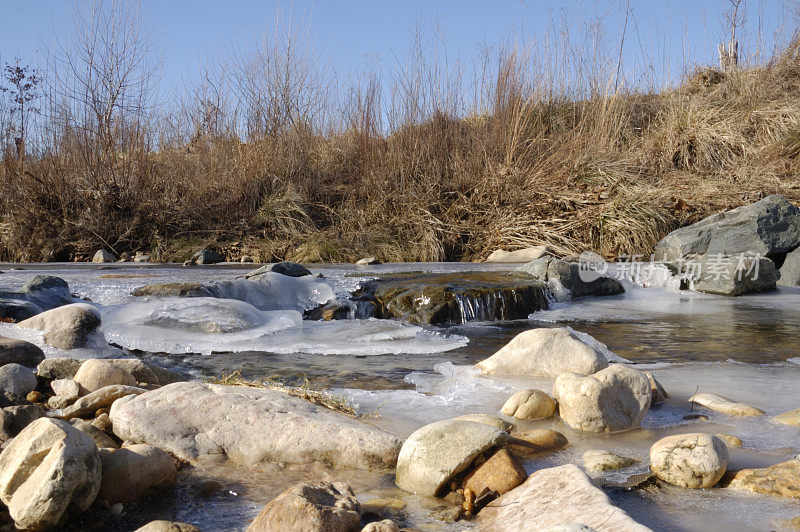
404	376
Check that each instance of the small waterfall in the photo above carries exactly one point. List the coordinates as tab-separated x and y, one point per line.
501	304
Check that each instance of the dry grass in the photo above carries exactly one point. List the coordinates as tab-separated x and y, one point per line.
301	173
305	392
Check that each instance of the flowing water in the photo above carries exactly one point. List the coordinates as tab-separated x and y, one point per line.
746	348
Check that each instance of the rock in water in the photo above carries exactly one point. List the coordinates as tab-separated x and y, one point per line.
288	268
19	352
658	393
789	418
17	380
781	479
103	256
728	275
529	404
311	507
565	280
167	526
97	373
49	473
552	497
519	255
689	460
770	227
545	353
66	327
437	452
724	405
500	473
611	400
790	270
133	471
368	261
195	420
599	460
486	419
536	441
207	256
47	291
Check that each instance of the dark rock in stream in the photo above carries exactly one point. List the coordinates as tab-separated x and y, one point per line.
438	299
174	290
43	292
559	273
288	268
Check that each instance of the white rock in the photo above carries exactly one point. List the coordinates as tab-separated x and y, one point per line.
724	405
66	388
97	373
248	425
689	460
519	255
611	400
67	327
545	353
437	452
529	404
552	497
49	473
103	256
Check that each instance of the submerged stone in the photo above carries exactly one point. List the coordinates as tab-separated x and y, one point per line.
443	298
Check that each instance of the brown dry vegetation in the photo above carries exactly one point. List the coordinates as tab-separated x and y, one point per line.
611	170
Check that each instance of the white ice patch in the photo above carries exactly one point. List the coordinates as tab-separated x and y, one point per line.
207	325
274	291
795	360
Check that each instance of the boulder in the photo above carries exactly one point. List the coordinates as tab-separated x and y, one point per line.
102	398
545	353
97	373
66	368
781	479
770	227
17	309
174	290
387	525
566	280
207	256
500	473
289	268
790	270
66	388
529	404
249	425
657	392
66	327
552	497
368	261
437	452
49	473
599	460
100	438
518	255
492	421
103	256
16	418
727	275
167	526
611	400
689	460
47	291
17	380
536	441
19	352
133	471
724	405
789	418
311	507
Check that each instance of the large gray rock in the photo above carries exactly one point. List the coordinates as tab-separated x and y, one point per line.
311	507
561	275
66	327
689	460
97	373
251	425
42	292
611	400
17	380
16	418
207	256
545	353
19	352
552	497
289	268
17	309
790	270
727	275
49	473
133	471
102	255
770	227
437	452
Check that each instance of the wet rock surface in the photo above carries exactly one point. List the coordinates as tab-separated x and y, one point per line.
312	507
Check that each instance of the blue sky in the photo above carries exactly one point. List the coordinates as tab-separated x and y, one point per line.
352	32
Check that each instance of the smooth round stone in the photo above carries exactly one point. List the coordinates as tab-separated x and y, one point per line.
724	405
536	441
529	404
17	380
731	441
599	460
486	419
